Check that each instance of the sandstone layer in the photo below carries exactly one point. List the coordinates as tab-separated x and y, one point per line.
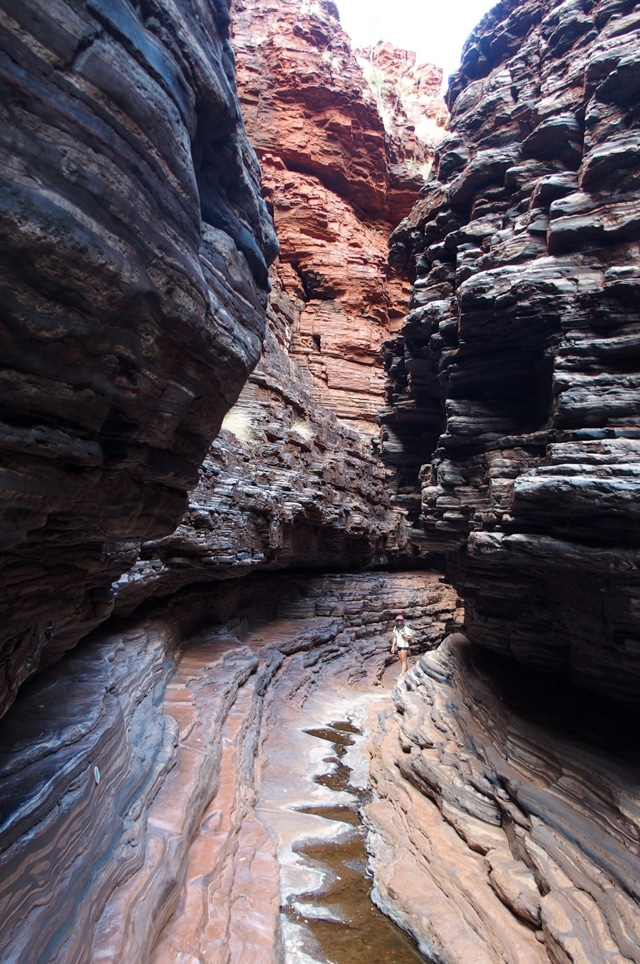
413	111
341	165
518	364
134	259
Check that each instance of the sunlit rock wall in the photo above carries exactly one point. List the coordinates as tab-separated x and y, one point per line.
342	164
408	96
518	365
133	267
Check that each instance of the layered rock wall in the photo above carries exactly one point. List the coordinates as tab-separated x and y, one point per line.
286	485
337	181
289	484
134	261
413	111
503	824
505	821
518	362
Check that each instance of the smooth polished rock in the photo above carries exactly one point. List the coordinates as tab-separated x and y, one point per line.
490	800
128	770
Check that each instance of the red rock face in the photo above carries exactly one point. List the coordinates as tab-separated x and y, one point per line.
413	112
519	358
336	181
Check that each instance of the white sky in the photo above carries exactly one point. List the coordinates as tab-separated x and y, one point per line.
434	29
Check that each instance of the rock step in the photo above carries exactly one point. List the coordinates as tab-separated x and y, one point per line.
80	750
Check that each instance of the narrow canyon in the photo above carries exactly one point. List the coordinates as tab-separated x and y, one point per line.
292	343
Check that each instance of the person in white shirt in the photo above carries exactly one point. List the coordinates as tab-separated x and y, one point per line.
401	641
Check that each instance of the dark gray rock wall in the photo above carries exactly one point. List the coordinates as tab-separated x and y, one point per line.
133	274
519	362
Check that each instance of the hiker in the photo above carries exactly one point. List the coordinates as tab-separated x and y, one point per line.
402	639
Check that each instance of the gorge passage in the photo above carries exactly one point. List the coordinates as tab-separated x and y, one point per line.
291	345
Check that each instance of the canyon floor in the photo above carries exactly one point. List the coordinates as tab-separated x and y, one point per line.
165	792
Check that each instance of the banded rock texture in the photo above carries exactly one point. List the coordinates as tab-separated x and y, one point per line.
518	362
128	772
135	246
512	832
337	182
413	111
284	486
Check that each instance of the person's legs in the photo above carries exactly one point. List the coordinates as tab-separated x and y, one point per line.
402	653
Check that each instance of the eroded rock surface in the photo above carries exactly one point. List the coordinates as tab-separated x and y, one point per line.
413	111
289	484
134	256
285	486
127	772
501	827
513	832
518	363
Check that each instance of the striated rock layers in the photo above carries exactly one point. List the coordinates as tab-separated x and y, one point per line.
135	246
289	484
413	111
129	778
337	182
505	821
136	269
284	486
519	362
504	824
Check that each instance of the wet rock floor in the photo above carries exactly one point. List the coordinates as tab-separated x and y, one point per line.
251	765
344	921
313	782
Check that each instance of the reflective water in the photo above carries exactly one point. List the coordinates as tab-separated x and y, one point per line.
346	924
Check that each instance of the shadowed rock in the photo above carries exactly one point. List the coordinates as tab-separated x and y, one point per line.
133	283
519	359
514	828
